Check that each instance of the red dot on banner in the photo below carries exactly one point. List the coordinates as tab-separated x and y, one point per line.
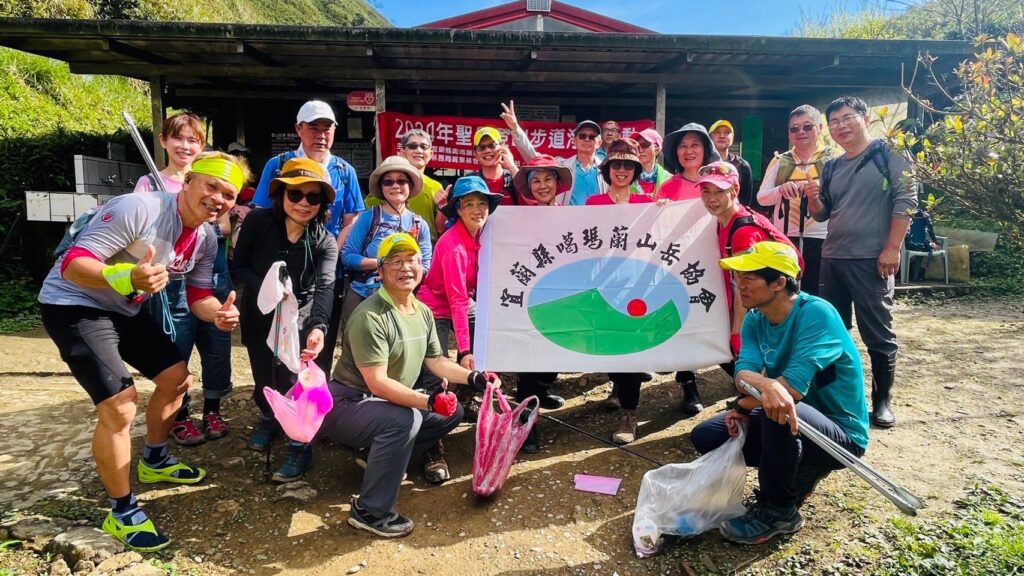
636	307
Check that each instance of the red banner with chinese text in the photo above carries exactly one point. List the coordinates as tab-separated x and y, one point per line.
453	136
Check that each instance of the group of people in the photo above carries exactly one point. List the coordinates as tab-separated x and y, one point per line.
393	276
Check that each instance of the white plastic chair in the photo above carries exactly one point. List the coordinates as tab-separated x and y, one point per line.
906	256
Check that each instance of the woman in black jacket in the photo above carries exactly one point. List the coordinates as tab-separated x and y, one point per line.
292	231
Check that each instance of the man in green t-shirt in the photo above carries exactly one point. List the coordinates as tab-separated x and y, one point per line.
417	149
389	336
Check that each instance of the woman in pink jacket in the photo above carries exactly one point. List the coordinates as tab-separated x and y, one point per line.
449	289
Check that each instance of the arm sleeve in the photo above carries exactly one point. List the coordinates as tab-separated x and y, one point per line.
323	295
262	197
352	252
522	142
768	195
367	340
904	187
245	248
456	267
750	358
815	348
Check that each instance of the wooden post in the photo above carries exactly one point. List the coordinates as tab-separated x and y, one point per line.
659	108
240	123
380	96
156	103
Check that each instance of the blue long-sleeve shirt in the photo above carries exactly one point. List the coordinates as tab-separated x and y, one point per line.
349	198
815	353
358	247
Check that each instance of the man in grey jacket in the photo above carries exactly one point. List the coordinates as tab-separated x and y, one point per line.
867	195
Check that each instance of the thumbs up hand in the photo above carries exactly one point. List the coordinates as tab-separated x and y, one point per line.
148	277
227	317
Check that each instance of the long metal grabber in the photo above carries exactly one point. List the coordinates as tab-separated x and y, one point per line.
141	145
903	499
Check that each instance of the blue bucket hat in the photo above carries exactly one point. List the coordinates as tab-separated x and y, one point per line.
470	185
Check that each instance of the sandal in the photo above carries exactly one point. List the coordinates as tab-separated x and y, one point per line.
149	475
148	538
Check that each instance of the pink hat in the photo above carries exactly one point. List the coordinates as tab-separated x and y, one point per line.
722	174
651	135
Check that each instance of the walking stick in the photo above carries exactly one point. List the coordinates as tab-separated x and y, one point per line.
903	499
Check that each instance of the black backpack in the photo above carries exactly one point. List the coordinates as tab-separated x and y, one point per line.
877	153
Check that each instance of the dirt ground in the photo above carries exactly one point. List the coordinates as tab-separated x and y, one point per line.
958	401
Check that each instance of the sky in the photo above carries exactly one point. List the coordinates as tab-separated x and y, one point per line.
756	17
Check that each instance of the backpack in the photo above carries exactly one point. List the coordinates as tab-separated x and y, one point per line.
376	214
83	220
787	164
766	226
877	153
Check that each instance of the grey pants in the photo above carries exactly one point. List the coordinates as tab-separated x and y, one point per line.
856	284
393	434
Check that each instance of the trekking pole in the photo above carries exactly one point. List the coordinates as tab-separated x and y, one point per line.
903	499
588	434
143	150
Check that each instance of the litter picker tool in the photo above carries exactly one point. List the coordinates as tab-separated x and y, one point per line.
141	145
903	499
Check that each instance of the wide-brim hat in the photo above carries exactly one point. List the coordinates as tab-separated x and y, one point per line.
396	164
470	185
299	171
541	162
673	139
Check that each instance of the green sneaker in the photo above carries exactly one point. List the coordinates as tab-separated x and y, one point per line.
143	537
761	523
176	473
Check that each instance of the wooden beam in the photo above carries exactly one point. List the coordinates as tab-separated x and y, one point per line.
135	53
259	56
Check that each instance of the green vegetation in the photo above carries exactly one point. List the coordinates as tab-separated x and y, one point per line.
898	19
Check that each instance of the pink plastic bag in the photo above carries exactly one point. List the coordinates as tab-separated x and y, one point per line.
499	435
301	411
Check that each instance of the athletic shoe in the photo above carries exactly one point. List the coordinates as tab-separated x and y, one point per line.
143	537
214	426
298	461
392	526
761	523
176	473
626	430
435	467
262	434
185	433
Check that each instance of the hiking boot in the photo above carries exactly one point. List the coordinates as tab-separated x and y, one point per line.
532	443
435	467
296	464
692	403
612	401
185	433
761	523
262	434
214	426
392	526
626	431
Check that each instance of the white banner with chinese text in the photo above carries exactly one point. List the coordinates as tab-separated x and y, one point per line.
625	288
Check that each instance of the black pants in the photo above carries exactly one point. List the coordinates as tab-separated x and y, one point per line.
534	383
627	388
265	373
812	263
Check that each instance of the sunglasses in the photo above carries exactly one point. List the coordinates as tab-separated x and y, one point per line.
621	165
716	170
804	128
296	196
644	144
417	146
482	147
586	136
388	182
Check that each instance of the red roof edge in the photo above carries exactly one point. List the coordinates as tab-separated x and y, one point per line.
503	13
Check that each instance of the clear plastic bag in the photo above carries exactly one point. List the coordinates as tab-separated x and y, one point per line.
302	410
688	499
499	436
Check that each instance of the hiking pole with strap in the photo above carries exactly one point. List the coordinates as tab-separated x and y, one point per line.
588	434
903	499
143	150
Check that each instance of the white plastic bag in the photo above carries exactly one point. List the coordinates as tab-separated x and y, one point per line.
688	499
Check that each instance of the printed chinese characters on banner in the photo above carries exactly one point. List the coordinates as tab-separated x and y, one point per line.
453	136
628	288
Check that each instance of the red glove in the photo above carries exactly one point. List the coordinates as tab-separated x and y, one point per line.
442	402
734	344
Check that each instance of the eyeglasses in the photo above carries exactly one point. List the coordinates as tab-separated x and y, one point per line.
795	129
621	165
844	120
482	147
417	146
716	170
611	131
296	196
644	144
399	264
586	136
388	182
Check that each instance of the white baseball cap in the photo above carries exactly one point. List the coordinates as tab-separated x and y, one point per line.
315	110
